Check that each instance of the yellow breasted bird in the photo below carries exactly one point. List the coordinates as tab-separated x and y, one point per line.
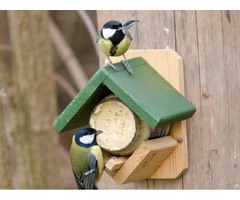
86	158
115	40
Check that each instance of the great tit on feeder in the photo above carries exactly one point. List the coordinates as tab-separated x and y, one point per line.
115	40
86	158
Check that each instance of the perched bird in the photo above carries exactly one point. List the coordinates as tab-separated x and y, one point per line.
86	158
115	40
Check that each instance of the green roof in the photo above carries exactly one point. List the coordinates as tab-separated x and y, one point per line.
146	93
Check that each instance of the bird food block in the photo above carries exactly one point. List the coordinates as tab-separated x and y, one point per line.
123	131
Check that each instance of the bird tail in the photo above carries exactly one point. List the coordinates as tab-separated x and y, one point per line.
130	23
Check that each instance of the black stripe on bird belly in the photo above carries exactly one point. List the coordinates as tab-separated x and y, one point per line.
113	50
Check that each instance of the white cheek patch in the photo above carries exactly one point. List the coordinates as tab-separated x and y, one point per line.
86	139
108	32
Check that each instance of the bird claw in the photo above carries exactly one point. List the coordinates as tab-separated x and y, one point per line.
127	66
112	65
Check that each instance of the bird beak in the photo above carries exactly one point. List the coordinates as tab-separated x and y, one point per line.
99	132
120	28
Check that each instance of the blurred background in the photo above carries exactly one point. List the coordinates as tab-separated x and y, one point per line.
39	50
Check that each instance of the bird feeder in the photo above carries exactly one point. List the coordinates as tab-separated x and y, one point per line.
155	94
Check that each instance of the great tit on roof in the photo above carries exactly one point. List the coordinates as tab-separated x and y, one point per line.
86	158
115	40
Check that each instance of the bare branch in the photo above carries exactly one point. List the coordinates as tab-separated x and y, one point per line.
65	85
90	27
68	56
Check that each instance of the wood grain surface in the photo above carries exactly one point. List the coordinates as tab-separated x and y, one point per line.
208	42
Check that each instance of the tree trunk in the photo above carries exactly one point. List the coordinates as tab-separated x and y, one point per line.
5	157
33	101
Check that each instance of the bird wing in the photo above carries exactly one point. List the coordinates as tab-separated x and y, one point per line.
86	180
78	180
130	23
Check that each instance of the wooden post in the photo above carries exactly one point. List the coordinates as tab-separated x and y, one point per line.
159	34
208	43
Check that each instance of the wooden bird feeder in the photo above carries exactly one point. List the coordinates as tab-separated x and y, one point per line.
155	94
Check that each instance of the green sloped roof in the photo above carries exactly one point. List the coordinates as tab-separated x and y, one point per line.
146	93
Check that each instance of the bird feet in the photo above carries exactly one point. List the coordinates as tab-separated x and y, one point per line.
127	66
111	64
124	62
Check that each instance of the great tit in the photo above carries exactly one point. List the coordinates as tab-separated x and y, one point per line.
115	40
86	158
